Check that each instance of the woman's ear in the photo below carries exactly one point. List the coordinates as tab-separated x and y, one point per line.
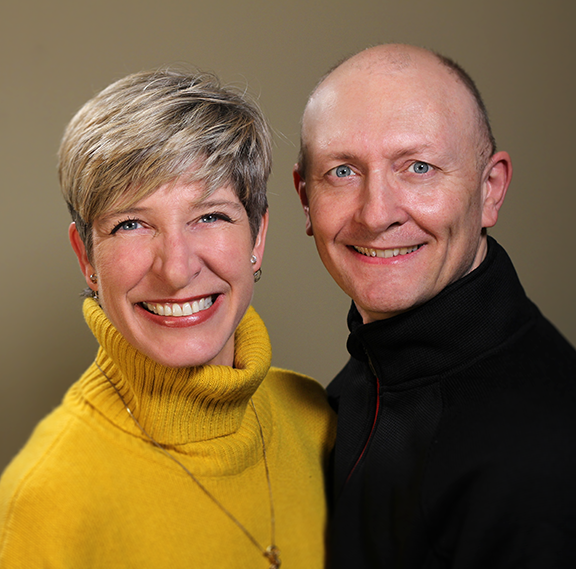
497	177
260	243
80	250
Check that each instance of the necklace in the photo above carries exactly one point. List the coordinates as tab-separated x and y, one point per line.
271	553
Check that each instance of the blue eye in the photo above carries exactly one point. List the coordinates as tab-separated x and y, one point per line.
213	217
420	168
342	171
127	225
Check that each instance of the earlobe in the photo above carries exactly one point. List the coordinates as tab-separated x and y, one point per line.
496	181
300	185
80	250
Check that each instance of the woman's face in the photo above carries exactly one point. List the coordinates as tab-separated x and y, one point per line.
175	275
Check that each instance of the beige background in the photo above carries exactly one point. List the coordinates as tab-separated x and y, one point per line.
56	54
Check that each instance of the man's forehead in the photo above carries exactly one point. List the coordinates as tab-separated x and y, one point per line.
392	83
389	59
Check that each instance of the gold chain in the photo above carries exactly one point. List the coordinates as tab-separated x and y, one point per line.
271	553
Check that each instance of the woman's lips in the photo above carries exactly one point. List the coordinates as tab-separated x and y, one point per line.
177	309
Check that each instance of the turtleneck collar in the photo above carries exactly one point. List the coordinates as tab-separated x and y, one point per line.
467	319
176	406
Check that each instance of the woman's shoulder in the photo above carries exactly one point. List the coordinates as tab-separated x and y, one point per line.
37	450
300	397
296	385
27	484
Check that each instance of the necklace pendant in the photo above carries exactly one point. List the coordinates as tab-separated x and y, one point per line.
272	553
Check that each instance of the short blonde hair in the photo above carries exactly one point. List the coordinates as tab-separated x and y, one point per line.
156	127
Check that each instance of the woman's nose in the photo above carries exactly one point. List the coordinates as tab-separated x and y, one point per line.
177	263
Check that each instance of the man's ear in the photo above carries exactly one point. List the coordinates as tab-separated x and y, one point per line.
80	250
497	177
300	186
260	242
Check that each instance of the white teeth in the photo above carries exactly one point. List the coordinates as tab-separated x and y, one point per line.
175	309
386	253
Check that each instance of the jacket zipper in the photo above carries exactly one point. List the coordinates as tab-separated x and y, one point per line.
373	422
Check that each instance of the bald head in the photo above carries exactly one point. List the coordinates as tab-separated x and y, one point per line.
382	67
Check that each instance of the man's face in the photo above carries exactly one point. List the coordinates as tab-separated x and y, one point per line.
396	198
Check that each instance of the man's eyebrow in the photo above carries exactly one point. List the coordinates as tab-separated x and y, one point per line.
409	148
340	157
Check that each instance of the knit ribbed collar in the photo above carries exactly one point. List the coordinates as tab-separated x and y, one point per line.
176	406
470	317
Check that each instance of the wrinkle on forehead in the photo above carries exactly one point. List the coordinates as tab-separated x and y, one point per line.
373	80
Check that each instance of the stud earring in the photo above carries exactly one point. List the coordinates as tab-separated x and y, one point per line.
258	273
94	278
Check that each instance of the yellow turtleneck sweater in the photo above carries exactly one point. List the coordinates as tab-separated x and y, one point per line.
89	490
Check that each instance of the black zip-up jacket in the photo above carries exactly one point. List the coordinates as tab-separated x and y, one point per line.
456	444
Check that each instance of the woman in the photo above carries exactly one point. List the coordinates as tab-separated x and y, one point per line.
179	446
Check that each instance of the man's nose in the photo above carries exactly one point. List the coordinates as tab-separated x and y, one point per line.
177	262
381	203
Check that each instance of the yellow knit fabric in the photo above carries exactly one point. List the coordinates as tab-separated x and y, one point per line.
90	491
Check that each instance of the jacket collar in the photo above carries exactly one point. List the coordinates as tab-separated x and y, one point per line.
469	318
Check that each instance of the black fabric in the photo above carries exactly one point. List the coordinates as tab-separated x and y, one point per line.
467	459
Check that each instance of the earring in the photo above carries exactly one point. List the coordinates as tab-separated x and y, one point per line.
258	273
95	295
94	278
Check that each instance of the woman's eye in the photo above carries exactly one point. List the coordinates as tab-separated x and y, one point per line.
127	225
342	171
212	217
419	168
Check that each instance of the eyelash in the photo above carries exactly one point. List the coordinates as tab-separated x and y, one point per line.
118	226
333	171
217	215
202	219
427	164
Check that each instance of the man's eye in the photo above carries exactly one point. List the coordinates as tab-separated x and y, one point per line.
342	171
419	168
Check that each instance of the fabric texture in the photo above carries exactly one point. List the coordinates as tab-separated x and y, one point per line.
89	490
456	443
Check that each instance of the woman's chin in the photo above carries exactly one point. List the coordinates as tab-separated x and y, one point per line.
191	357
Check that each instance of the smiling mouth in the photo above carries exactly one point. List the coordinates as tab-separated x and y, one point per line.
386	253
177	309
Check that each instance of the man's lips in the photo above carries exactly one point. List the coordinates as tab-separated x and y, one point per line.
179	309
386	253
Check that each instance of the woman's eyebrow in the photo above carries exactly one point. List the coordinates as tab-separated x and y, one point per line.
202	203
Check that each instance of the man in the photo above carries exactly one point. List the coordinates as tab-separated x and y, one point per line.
456	410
